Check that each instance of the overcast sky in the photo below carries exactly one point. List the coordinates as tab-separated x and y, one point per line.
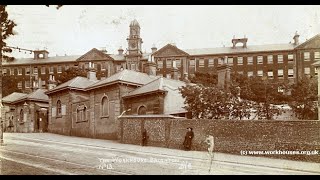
74	30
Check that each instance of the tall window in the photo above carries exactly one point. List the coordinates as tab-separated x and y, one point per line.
51	69
230	61
240	60
250	73
306	56
211	62
250	60
317	56
66	67
58	108
12	71
290	58
142	110
178	63
220	61
260	59
280	73
192	62
307	70
81	113
168	63
280	58
270	74
160	63
20	85
201	62
27	71
19	71
260	73
43	70
21	115
270	59
103	66
133	66
105	106
27	84
59	70
290	73
35	70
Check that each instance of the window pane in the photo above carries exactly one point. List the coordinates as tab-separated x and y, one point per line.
160	63
280	58
230	61
250	60
201	63
280	73
306	56
260	73
307	70
240	60
168	63
192	62
270	59
317	56
178	63
290	73
260	59
211	62
250	73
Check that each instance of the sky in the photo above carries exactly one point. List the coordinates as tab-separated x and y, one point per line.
76	29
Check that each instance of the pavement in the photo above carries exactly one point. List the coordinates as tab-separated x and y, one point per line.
222	163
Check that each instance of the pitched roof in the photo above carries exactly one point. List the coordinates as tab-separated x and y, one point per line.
125	76
231	50
118	57
38	95
54	59
13	97
95	51
170	47
76	83
155	86
306	42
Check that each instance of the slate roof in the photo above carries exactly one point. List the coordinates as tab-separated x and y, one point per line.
125	76
237	50
38	95
157	85
55	59
13	97
78	82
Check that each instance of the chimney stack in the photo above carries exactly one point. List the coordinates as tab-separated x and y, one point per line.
52	83
151	68
296	38
92	75
154	48
224	71
120	50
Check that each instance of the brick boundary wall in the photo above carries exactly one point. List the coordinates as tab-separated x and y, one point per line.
231	136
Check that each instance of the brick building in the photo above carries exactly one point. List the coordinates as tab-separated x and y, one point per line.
275	61
89	107
26	112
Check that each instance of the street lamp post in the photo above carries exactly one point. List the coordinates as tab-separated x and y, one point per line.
1	121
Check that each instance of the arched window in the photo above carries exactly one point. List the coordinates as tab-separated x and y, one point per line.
142	110
21	115
58	108
105	106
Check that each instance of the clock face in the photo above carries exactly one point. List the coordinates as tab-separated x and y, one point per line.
133	45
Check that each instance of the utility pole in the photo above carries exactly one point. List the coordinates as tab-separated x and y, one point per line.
1	106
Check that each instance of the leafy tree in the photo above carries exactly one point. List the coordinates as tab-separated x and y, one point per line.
6	26
204	78
11	85
303	98
70	74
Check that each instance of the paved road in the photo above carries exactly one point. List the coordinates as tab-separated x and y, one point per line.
55	154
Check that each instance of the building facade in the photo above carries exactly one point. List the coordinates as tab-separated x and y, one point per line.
285	62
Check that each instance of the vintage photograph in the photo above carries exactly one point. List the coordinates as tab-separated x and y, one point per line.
159	90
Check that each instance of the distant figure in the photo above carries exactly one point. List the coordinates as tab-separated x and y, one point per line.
188	138
144	137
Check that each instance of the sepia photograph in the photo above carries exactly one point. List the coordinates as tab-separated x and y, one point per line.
159	90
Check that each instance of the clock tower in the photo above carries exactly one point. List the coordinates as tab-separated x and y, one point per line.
134	52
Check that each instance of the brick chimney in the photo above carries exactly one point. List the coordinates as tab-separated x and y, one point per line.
174	71
296	38
151	68
154	48
91	75
120	51
52	83
224	71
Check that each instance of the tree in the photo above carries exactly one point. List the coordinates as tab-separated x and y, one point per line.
11	85
204	78
70	74
6	26
304	97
